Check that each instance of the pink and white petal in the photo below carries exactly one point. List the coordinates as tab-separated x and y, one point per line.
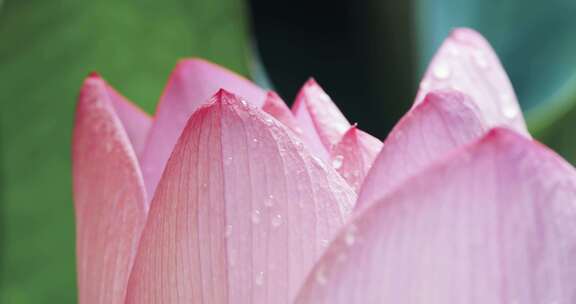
136	122
319	117
466	62
493	223
275	106
353	156
109	197
241	214
191	84
443	121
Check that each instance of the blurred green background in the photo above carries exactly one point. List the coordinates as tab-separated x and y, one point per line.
367	54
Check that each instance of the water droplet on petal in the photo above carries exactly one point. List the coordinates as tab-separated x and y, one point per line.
424	85
299	145
108	146
350	236
268	121
337	161
324	243
321	276
256	216
255	140
453	50
228	231
480	59
269	201
228	160
441	71
259	280
510	111
398	134
277	220
341	258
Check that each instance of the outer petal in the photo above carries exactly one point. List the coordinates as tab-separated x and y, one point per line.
241	214
275	106
319	117
135	121
191	84
109	197
442	122
467	63
494	223
353	156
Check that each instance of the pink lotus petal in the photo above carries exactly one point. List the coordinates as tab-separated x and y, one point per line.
109	197
353	156
191	84
136	122
241	214
275	106
319	117
444	120
494	223
466	62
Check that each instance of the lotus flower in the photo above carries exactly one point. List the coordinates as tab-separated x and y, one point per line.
229	196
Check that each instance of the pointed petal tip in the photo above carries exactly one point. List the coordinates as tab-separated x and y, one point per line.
94	74
449	99
311	81
467	35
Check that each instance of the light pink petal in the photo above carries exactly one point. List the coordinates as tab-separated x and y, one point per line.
241	214
275	106
109	197
353	156
494	223
136	122
444	120
319	117
466	62
191	84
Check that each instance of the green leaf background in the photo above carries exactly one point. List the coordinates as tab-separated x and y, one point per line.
46	49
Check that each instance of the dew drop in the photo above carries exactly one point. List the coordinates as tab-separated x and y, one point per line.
255	140
480	60
268	121
108	146
510	111
441	71
299	145
341	258
398	134
228	160
277	220
424	85
453	50
228	231
321	276
259	280
255	216
337	161
324	243
243	102
350	237
269	201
